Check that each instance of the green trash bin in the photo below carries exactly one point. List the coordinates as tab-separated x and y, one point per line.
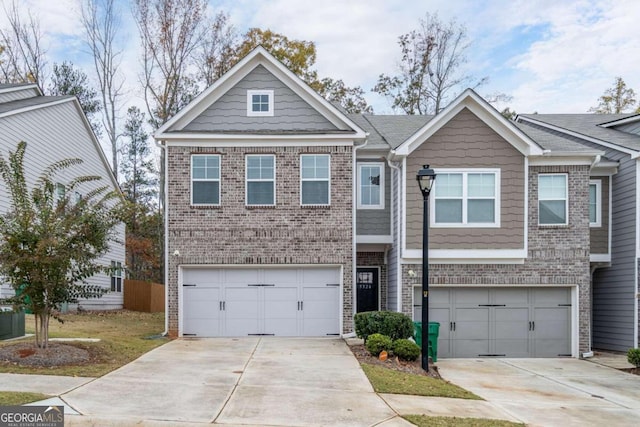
434	331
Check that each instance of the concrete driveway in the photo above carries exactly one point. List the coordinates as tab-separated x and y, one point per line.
551	392
248	381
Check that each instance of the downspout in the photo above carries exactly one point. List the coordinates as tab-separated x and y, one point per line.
166	244
397	260
354	252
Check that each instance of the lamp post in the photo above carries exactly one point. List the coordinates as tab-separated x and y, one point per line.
426	176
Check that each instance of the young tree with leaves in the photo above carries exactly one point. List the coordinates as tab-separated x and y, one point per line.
617	99
50	243
68	80
101	22
429	69
139	185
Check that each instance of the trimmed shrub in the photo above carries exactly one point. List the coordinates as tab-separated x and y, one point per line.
406	349
633	356
390	323
378	342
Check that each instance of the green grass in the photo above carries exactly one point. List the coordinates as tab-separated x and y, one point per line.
122	336
386	380
425	421
8	398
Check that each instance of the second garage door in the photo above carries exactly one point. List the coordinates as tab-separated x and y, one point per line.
301	301
500	322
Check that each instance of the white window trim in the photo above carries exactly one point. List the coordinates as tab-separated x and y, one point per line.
598	184
116	274
316	179
382	187
250	112
247	180
465	224
566	199
206	179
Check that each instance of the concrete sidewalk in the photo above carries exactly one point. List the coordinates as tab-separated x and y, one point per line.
52	385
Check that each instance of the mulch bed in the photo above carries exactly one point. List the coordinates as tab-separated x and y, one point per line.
414	367
57	354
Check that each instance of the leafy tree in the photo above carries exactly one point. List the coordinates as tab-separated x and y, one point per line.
50	243
216	53
67	80
509	113
429	69
617	99
299	56
139	186
101	22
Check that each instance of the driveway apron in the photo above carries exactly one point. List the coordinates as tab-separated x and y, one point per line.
550	392
261	381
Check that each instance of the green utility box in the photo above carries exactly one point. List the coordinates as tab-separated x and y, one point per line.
11	324
434	331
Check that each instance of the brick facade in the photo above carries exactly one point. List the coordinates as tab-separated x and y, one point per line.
234	234
557	255
376	259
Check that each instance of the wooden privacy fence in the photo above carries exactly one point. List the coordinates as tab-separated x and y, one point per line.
143	296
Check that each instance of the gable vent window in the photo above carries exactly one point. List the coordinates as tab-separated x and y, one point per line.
259	103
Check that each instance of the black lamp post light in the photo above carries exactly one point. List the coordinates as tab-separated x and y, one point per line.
426	177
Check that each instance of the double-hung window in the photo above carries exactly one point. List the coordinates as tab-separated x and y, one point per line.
595	203
205	179
260	180
116	276
259	103
315	179
466	198
370	186
553	206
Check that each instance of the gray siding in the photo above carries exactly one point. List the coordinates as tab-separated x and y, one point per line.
376	222
630	128
394	253
17	94
55	133
614	287
229	113
600	235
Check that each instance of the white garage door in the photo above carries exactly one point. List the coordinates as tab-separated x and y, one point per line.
283	301
500	322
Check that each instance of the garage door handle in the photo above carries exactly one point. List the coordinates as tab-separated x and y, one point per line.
223	306
532	326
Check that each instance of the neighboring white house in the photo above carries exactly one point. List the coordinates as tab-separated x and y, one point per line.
55	128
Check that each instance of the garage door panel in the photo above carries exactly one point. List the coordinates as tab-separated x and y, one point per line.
511	332
319	311
472	323
471	297
441	315
241	311
281	276
281	311
470	347
512	297
203	316
202	276
320	276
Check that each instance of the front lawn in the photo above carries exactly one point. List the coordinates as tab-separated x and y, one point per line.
10	398
124	336
391	381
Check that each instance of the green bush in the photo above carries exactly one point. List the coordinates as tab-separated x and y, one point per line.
406	349
633	356
378	342
394	325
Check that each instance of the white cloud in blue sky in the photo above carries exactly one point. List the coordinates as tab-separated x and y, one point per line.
550	55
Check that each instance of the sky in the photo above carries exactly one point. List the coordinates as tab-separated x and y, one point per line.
550	56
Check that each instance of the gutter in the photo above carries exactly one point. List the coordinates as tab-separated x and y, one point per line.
166	244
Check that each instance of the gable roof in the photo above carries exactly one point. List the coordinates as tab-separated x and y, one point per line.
555	142
589	127
490	116
259	56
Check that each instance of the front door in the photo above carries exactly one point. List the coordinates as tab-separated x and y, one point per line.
367	289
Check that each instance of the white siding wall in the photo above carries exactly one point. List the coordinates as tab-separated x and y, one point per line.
55	133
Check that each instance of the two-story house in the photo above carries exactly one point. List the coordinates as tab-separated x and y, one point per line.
55	128
285	216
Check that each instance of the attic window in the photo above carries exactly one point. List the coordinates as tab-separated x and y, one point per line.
259	103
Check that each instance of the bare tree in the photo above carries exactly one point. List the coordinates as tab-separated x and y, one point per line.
101	22
22	54
216	53
429	69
